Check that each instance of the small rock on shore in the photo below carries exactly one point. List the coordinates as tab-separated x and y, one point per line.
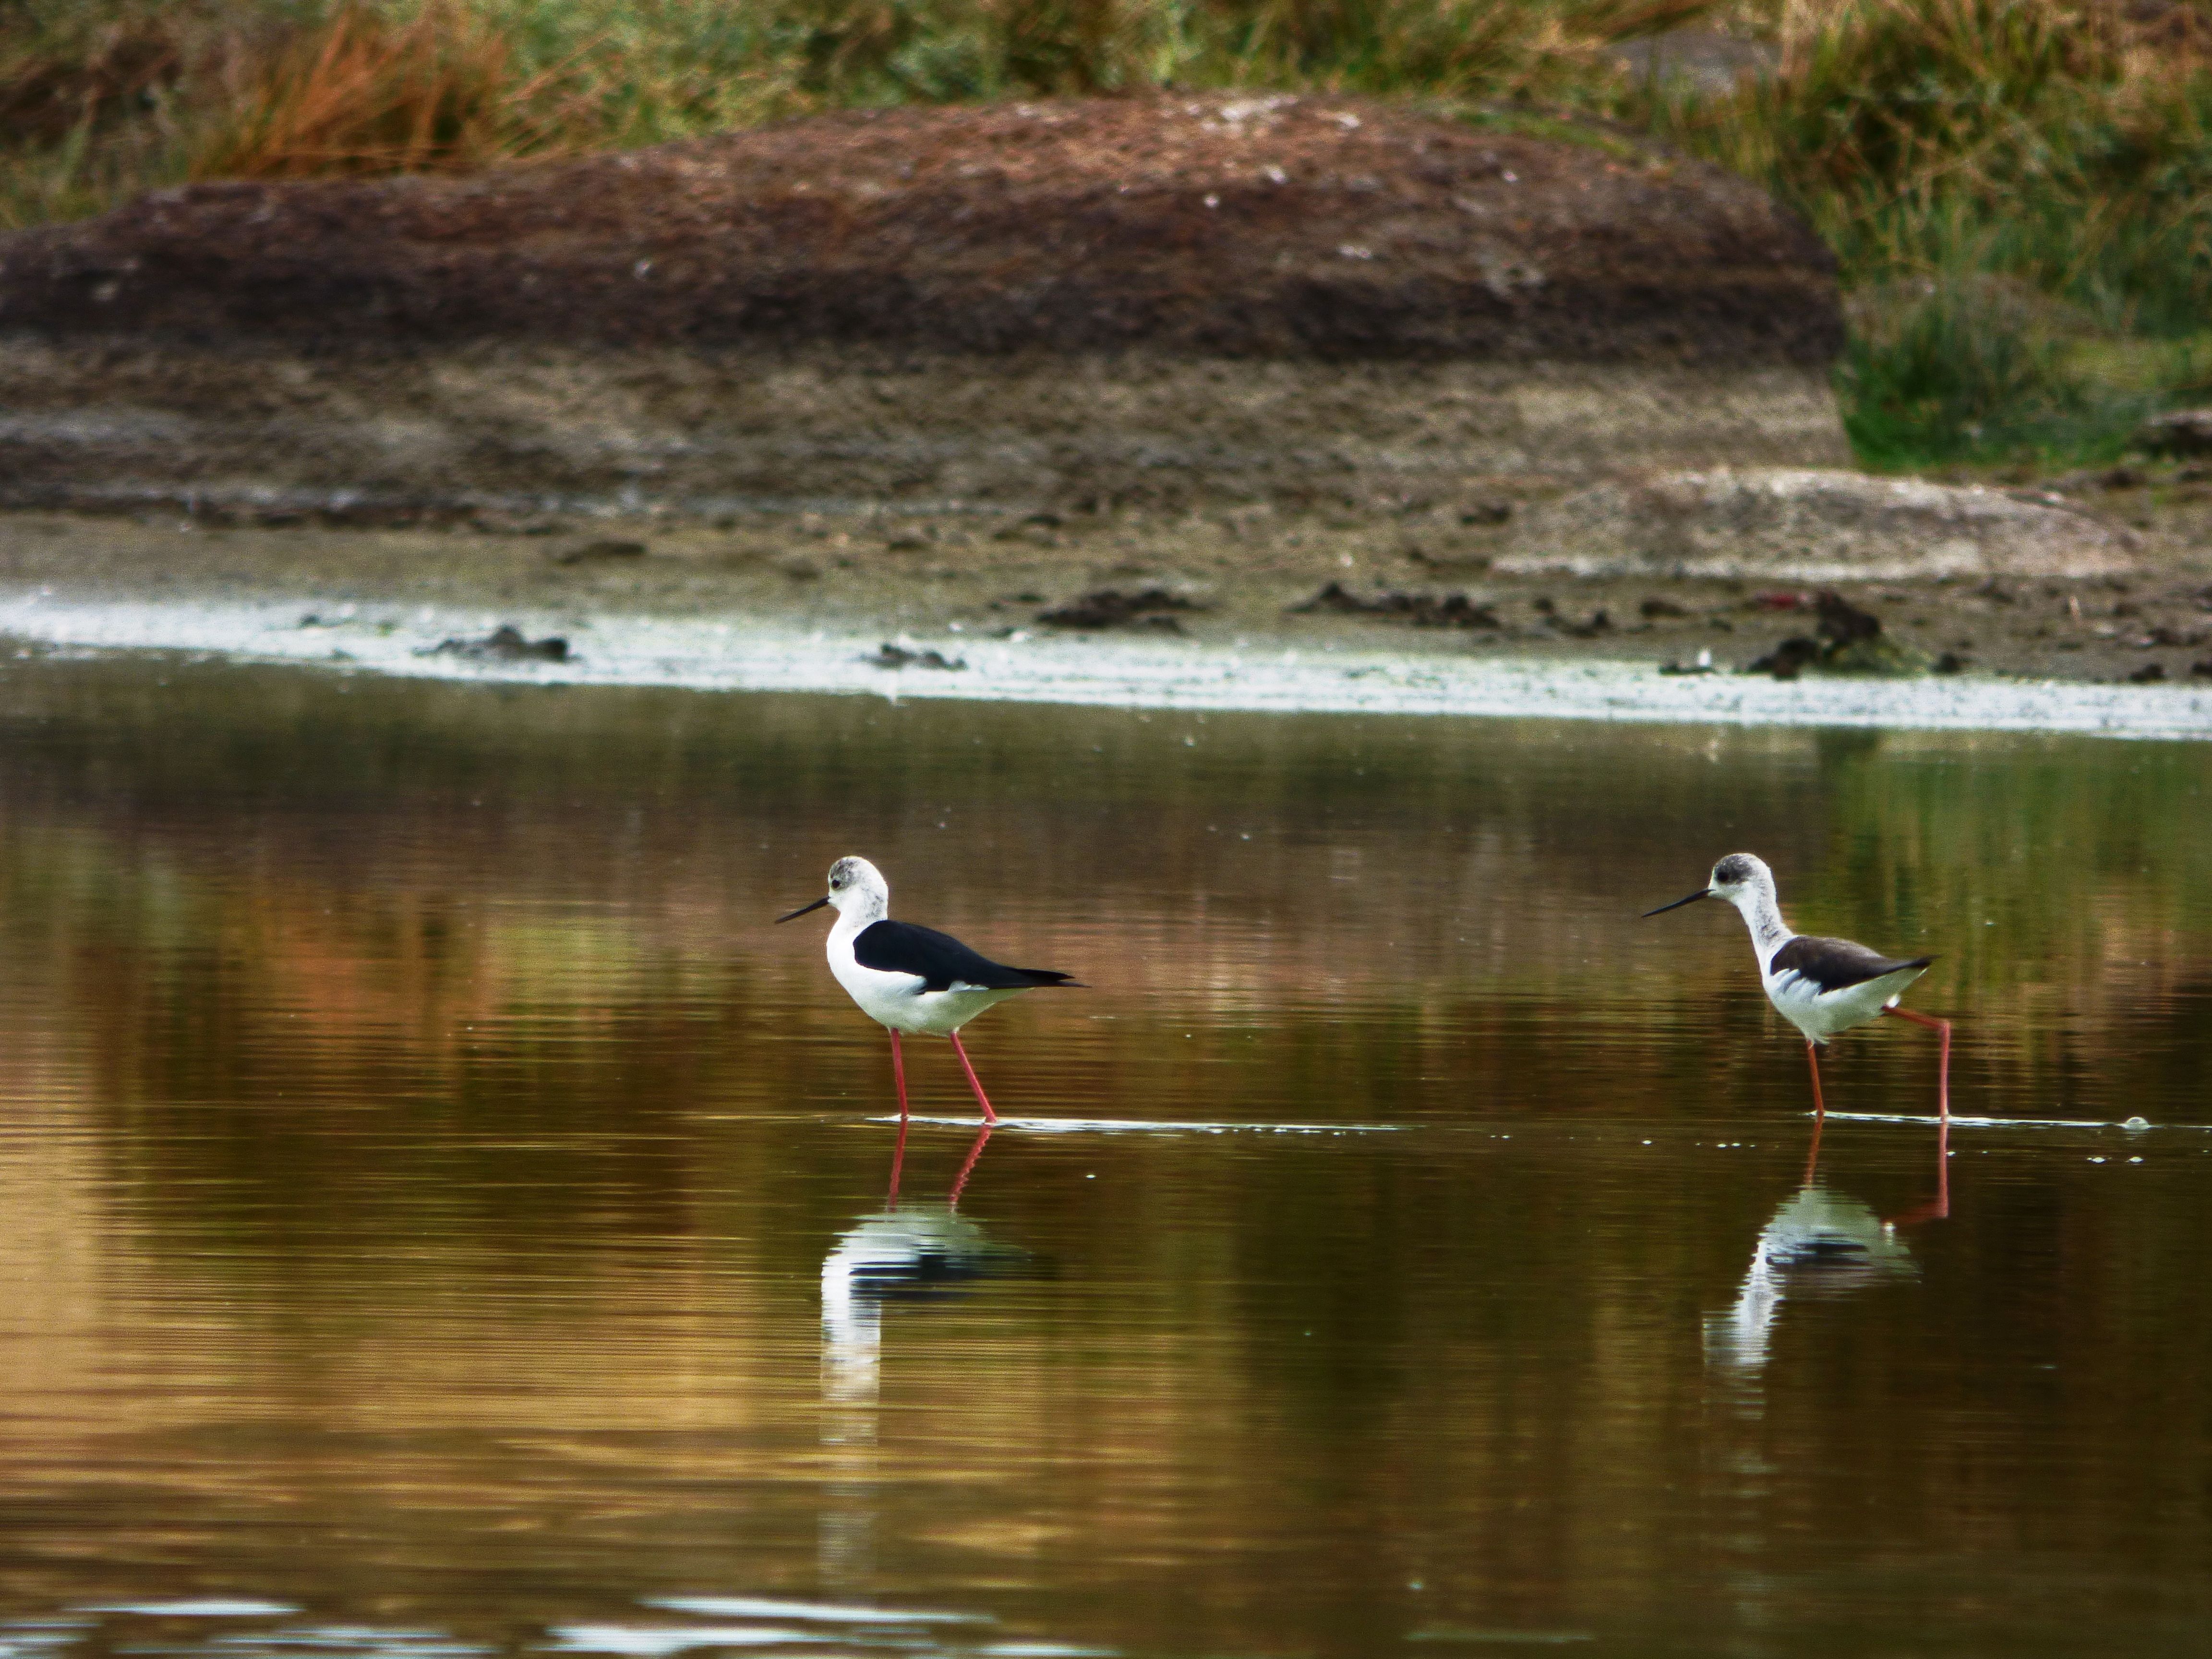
1807	525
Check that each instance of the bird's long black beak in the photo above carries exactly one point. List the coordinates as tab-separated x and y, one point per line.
1702	892
824	899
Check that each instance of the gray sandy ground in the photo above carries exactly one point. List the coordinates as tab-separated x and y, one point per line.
1242	570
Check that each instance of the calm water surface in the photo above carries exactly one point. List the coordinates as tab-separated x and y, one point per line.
440	1215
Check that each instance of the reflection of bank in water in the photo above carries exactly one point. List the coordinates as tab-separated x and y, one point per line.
1819	1244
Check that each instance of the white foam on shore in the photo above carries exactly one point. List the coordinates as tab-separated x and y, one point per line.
1146	1126
759	1606
706	654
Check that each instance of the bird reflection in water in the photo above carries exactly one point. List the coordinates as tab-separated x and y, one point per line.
1820	1243
914	1253
905	1251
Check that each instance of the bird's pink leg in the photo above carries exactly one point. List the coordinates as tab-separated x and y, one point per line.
989	1116
1942	1029
1819	1111
898	1152
960	1181
899	1071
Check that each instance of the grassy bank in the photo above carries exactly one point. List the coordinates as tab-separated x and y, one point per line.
2021	193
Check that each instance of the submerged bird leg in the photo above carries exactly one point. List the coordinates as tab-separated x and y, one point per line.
1936	1208
1942	1029
899	1071
953	1199
989	1116
898	1159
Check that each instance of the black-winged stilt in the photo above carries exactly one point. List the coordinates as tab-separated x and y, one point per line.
912	978
1824	986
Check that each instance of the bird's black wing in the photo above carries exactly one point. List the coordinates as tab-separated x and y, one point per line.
1833	964
940	960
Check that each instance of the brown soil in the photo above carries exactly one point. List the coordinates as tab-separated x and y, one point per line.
107	421
1240	572
1284	226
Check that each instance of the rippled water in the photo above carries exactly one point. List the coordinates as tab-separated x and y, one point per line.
440	1215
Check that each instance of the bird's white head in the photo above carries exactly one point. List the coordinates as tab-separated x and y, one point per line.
857	889
1744	881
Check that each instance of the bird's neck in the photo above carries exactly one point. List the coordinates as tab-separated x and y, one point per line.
1762	914
862	913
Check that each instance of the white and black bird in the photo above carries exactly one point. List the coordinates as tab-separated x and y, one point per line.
1824	986
913	979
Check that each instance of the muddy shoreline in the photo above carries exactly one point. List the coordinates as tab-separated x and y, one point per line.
1246	577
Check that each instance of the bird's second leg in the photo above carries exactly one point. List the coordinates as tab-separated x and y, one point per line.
1942	1029
982	1099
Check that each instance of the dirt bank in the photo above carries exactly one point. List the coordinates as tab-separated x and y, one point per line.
1218	227
1181	303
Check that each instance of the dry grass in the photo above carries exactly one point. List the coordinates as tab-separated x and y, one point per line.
294	87
436	93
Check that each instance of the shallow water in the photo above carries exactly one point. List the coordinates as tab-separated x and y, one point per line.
439	1214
